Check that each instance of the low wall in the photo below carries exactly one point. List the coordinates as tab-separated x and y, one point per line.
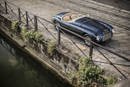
60	64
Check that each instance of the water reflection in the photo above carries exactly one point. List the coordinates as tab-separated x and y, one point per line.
19	70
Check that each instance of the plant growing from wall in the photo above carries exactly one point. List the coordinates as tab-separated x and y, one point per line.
29	36
89	75
15	26
111	80
38	37
32	36
51	47
24	31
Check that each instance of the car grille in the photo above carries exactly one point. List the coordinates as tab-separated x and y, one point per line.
106	30
107	36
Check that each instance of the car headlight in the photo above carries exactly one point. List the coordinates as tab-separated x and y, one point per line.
98	37
113	31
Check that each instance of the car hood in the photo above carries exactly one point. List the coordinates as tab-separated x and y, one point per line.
92	25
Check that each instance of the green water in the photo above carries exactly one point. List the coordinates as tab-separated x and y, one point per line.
19	70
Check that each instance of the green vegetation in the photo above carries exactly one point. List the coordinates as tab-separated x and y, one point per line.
31	35
89	75
51	47
27	34
38	37
111	80
15	26
24	31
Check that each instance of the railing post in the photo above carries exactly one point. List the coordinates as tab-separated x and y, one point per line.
6	9
27	24
35	22
91	50
19	14
59	36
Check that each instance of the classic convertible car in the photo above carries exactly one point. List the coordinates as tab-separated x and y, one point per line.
81	24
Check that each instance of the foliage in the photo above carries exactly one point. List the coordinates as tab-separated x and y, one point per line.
32	35
24	31
89	74
111	80
15	26
51	46
85	61
38	37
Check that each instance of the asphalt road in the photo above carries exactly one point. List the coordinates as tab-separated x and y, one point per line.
122	4
117	17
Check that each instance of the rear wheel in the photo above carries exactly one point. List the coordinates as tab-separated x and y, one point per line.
57	26
87	40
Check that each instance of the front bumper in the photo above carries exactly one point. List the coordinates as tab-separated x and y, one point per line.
105	37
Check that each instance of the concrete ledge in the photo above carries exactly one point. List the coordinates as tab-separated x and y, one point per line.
4	31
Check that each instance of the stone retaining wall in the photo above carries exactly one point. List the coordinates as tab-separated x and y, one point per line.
60	63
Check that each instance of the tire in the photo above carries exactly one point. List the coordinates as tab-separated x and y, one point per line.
87	40
57	25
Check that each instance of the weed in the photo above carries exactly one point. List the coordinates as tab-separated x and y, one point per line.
24	31
15	26
111	80
88	73
51	46
38	37
32	35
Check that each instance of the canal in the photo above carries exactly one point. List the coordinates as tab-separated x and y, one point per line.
18	69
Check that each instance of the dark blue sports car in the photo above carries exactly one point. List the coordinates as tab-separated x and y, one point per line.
81	24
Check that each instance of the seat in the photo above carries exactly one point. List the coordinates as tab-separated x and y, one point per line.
67	18
73	16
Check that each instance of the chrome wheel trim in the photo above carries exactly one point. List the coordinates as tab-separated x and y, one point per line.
87	40
56	26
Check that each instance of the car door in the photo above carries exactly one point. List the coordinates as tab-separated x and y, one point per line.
72	27
77	29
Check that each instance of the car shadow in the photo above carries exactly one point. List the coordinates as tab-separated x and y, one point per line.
109	43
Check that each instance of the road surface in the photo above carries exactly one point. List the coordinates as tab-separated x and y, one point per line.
117	17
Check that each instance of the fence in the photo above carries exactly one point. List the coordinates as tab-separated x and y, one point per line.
43	25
